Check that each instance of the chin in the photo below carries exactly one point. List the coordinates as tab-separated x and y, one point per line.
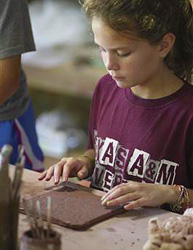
123	85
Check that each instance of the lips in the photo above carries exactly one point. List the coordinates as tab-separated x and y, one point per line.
118	78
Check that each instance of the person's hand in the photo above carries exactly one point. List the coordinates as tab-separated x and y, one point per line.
132	195
67	167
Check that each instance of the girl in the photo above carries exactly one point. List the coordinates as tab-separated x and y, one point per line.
141	121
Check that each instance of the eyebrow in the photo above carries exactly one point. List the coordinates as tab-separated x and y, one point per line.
116	48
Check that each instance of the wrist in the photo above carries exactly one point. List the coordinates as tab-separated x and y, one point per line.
88	162
172	194
180	200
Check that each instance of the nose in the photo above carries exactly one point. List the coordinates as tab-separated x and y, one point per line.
111	62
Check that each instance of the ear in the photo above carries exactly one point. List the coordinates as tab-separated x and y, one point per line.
166	44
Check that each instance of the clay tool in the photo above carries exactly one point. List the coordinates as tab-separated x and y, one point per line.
5	198
16	185
4	158
30	219
56	186
21	152
49	201
40	220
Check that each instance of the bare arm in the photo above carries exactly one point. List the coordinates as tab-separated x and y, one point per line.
135	194
9	77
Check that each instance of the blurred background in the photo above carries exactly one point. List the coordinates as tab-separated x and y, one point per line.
61	74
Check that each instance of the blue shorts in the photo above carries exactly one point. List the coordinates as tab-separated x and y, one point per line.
21	131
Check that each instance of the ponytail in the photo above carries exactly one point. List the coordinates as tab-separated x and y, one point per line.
180	61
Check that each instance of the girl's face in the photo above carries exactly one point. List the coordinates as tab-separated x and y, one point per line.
130	61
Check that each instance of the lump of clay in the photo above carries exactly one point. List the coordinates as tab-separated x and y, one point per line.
175	233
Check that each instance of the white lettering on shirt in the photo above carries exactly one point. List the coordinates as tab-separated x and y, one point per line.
137	164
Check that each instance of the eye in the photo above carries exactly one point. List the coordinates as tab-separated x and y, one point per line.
123	54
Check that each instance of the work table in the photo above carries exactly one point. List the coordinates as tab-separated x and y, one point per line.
125	231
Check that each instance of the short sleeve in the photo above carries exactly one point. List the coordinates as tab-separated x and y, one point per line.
15	28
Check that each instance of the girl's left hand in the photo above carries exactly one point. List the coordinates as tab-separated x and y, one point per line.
134	194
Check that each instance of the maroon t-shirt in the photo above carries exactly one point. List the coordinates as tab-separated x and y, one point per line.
144	140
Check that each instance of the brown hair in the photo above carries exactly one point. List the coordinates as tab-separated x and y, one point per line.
151	19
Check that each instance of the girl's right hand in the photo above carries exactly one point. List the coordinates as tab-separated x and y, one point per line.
67	167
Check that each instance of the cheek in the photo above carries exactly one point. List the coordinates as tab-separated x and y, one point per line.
131	65
104	57
142	64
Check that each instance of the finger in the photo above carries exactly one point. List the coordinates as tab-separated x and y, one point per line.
49	173
82	173
58	170
117	192
128	185
135	204
123	200
69	167
110	192
42	176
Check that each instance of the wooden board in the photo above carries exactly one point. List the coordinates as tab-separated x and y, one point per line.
75	207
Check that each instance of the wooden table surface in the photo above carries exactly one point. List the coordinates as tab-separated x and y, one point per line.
126	231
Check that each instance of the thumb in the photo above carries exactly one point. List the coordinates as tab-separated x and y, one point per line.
82	173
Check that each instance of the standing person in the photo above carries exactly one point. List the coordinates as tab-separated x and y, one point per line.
17	120
141	121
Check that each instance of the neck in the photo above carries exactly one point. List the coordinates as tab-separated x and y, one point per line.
166	84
